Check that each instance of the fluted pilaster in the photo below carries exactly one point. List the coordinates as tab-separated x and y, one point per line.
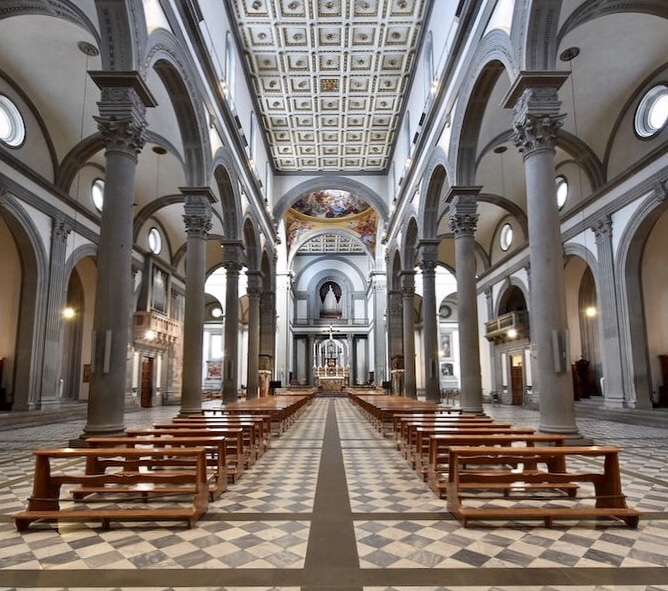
54	311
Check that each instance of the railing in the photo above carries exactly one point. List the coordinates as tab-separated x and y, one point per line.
499	327
332	321
155	329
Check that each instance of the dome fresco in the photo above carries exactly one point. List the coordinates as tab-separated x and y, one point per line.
330	203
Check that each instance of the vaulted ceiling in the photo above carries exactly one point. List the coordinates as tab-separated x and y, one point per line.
330	77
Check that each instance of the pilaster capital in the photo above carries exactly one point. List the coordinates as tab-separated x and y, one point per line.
463	210
661	190
61	229
602	229
124	100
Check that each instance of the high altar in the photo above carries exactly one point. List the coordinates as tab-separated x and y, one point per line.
330	372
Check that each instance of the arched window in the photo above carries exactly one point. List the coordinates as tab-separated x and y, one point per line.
652	112
229	66
506	237
97	194
12	127
155	240
562	190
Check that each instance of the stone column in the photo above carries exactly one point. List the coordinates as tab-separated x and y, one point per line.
54	312
197	220
267	340
407	296
232	252
463	222
537	120
395	340
380	322
253	291
283	339
121	122
609	323
429	261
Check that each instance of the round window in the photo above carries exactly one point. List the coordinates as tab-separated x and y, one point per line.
97	194
652	112
216	312
12	128
562	190
506	237
154	240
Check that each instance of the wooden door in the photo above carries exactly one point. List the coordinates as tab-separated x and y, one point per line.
146	396
517	379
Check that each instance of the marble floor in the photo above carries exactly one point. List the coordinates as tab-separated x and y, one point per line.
333	506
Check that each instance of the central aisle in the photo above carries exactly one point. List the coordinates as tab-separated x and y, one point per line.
333	506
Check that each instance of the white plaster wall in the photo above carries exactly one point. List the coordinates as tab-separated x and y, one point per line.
654	276
10	295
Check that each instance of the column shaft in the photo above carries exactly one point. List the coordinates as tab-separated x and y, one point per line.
463	221
197	220
407	296
429	253
253	334
232	256
536	123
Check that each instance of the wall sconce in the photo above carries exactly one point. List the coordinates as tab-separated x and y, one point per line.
69	313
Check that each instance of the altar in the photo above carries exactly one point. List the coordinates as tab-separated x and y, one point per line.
331	384
330	371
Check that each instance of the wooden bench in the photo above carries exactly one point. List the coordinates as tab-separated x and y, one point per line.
236	450
439	449
215	458
465	484
50	476
251	433
260	430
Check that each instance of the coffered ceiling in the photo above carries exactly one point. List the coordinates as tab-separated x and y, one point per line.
330	76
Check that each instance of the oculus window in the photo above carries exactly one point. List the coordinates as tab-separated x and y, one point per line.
97	194
652	112
12	128
506	237
562	190
154	240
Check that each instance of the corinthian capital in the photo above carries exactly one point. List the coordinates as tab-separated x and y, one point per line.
534	98
121	121
197	208
602	228
464	210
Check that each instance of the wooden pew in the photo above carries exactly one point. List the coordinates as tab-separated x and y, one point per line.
261	428
50	476
236	450
492	474
215	456
251	433
440	443
405	436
